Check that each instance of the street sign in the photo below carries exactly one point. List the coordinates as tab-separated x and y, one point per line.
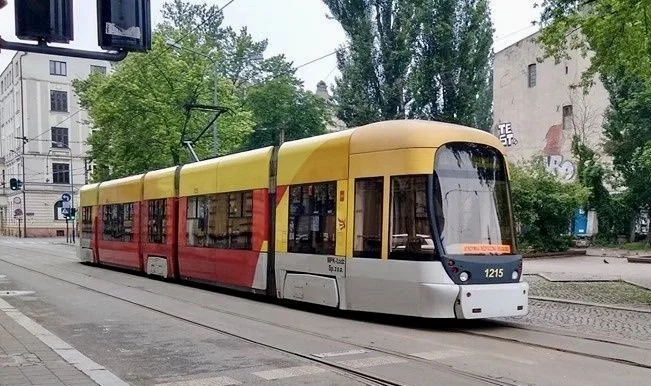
18	212
66	204
65	211
17	200
65	197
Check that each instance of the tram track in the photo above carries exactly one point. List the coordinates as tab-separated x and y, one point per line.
358	374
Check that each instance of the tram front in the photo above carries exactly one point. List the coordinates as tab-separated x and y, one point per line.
471	218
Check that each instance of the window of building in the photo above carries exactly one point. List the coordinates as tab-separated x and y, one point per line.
118	222
222	220
312	212
60	137
156	221
60	173
532	75
368	217
58	68
100	69
58	206
567	116
86	222
411	238
58	100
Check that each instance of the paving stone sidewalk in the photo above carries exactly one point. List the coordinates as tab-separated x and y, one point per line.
25	360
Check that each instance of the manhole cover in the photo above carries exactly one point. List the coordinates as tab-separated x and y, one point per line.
15	293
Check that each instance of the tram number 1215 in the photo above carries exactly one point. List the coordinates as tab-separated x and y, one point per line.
494	272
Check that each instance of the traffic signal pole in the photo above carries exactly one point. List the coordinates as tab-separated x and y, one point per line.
24	140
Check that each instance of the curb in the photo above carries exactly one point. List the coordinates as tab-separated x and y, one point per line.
556	255
637	259
601	305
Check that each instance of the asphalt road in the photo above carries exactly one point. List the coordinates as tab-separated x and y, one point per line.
153	332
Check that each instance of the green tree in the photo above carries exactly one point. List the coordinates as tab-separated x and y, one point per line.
452	76
140	112
615	33
543	207
419	58
278	104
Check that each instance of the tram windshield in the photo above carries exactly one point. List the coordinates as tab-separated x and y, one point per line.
471	200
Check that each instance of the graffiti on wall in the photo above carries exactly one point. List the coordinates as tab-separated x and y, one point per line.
505	134
555	162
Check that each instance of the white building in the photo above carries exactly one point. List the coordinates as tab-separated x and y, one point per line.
537	111
38	103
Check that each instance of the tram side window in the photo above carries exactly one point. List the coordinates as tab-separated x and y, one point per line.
222	220
312	212
86	222
368	217
411	238
118	222
157	226
240	219
197	220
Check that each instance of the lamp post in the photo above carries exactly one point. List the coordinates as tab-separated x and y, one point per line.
215	135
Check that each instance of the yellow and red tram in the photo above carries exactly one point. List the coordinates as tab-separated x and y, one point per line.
401	217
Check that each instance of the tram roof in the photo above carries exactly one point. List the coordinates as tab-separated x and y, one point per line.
88	195
122	190
405	134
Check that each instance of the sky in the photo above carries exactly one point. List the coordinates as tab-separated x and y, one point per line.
300	29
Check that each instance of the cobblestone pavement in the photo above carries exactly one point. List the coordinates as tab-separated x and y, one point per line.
25	360
611	293
607	323
587	320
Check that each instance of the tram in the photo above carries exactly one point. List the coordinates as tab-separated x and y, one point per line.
401	217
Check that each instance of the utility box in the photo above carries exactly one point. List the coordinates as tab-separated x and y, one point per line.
44	20
124	25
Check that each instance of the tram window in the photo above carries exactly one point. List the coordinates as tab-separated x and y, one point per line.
86	222
411	238
312	211
197	220
240	220
221	220
156	221
368	217
118	222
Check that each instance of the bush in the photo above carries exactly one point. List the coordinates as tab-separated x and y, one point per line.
543	207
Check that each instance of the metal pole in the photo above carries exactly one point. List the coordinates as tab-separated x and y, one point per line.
72	194
215	135
22	116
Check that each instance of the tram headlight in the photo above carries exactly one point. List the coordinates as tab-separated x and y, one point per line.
515	275
463	276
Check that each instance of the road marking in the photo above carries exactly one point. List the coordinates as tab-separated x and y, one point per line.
339	353
289	372
370	362
217	381
96	372
438	355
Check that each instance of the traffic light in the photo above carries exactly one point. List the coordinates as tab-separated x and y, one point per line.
73	212
44	20
15	184
124	25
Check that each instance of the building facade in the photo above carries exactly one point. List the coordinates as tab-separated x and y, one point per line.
538	110
43	136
